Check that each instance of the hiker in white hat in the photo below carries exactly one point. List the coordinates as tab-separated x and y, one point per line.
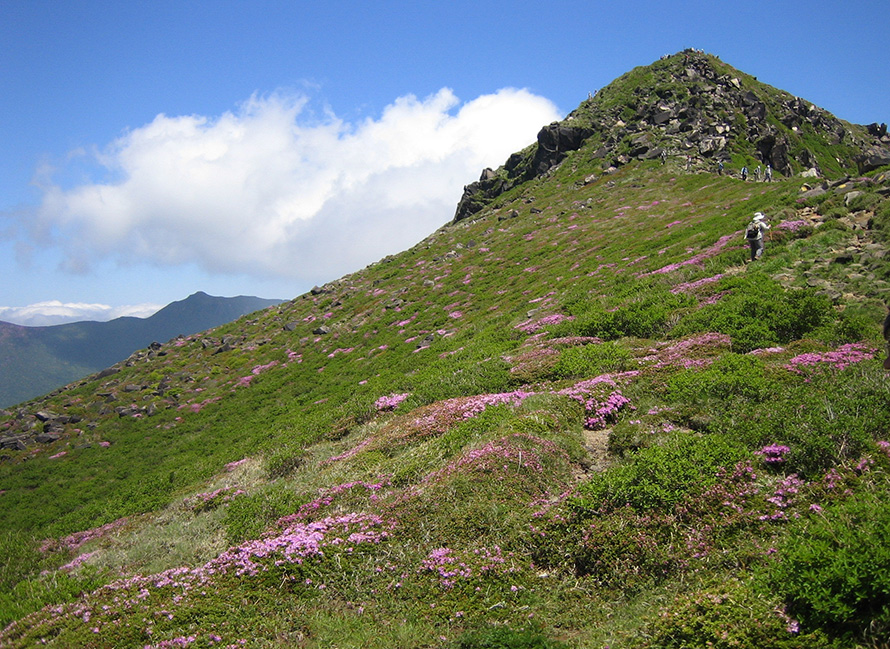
754	234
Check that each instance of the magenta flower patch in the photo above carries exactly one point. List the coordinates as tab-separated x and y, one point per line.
601	408
450	566
695	260
691	286
793	226
390	402
774	453
842	357
533	326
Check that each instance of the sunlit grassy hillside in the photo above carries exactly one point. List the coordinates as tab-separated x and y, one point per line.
576	419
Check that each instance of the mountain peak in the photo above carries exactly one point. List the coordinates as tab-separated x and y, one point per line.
693	107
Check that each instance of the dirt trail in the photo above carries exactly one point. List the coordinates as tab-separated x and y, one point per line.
597	444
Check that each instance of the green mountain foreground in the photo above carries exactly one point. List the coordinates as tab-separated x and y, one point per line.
575	416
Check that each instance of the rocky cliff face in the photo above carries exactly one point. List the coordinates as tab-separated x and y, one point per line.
696	109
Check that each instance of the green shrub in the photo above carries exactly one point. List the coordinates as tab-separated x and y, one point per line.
730	376
832	223
851	326
591	360
661	476
34	593
833	569
284	461
643	317
19	557
820	419
249	515
727	615
882	220
759	313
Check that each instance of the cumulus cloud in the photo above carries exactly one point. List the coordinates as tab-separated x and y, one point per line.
272	190
54	312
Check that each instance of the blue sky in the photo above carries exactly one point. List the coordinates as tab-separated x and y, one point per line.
149	150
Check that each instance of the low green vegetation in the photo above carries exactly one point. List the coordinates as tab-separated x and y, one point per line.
589	424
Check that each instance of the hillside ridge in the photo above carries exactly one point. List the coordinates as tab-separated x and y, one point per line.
577	417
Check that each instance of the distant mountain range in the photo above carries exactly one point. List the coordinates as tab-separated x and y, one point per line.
37	360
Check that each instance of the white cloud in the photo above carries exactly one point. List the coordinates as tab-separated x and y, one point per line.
270	191
53	312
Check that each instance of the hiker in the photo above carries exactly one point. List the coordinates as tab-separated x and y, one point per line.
719	168
757	173
754	235
745	174
887	338
769	174
664	156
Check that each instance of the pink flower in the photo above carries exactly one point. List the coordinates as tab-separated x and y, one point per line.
842	357
390	402
773	454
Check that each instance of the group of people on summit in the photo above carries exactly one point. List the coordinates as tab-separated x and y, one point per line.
758	172
768	176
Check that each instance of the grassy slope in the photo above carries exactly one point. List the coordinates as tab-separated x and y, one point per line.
479	504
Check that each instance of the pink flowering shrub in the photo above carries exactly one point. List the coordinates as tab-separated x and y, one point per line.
245	381
77	561
698	350
697	259
231	466
335	494
296	542
692	286
449	567
793	226
74	541
533	326
205	502
537	357
774	454
839	359
199	405
282	556
390	402
516	454
599	406
438	417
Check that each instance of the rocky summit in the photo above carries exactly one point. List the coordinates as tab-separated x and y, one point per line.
694	108
584	413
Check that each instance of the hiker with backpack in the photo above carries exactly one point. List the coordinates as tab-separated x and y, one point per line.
754	234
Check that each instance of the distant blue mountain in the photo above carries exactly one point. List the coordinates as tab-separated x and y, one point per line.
37	360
